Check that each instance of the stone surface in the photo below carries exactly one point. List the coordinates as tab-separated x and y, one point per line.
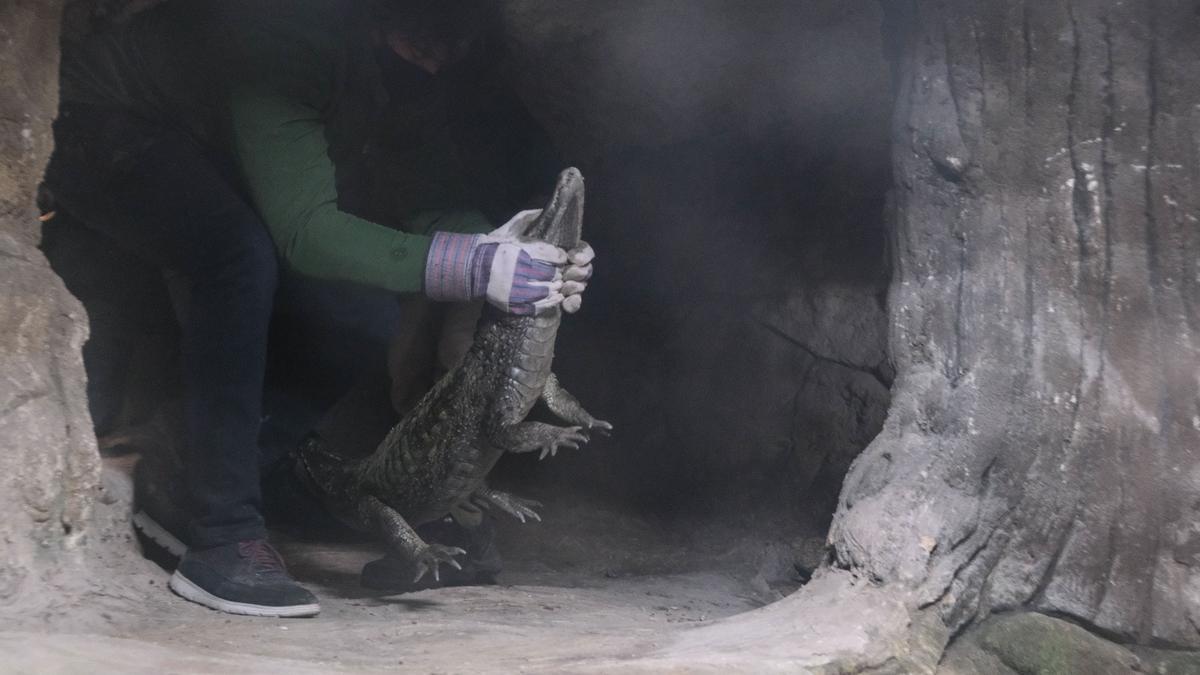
68	553
1035	644
1041	447
836	624
51	465
590	589
1169	662
601	593
28	101
64	534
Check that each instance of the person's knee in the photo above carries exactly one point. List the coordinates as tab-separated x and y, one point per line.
261	264
245	258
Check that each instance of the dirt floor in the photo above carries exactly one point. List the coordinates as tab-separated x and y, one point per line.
588	588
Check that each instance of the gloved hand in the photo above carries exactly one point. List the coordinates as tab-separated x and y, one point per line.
576	275
520	276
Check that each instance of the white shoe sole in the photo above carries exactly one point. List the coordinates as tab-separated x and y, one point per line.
159	534
190	591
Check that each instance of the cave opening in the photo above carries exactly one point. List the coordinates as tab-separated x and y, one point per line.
1027	503
737	167
736	335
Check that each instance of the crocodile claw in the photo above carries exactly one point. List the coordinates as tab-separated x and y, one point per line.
600	426
433	555
517	507
570	437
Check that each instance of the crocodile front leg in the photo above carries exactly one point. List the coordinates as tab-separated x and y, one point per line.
404	540
569	409
538	436
514	506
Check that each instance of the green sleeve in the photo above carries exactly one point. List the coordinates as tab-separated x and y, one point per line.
283	155
467	221
287	65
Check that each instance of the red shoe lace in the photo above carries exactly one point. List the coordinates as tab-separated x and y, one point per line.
262	555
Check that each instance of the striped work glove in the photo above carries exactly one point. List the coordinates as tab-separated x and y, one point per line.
519	276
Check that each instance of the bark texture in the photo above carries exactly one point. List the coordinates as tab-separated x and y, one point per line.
1043	446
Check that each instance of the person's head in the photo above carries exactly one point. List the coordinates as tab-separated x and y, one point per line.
432	34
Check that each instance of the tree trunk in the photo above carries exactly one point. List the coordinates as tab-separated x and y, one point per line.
1043	446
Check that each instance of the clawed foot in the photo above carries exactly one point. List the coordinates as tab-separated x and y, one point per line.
517	507
545	439
568	409
568	437
601	427
432	555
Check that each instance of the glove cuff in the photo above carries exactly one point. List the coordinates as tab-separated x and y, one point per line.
451	267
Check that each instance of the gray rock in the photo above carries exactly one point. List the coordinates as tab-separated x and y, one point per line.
52	538
1040	450
1035	644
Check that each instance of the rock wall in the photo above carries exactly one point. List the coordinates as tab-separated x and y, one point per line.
1042	447
52	534
1015	644
28	101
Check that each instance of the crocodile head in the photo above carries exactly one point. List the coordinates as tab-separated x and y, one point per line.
561	222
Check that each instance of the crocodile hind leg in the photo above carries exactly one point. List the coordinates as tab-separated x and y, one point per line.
514	506
539	436
569	409
404	540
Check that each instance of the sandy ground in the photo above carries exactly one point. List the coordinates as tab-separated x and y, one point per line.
587	587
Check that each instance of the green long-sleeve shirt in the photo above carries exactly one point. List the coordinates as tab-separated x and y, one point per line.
261	83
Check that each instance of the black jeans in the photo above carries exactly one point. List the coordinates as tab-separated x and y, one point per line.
157	194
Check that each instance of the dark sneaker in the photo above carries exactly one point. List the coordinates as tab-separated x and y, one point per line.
244	578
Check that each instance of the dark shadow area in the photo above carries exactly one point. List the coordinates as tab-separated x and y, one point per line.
738	163
736	335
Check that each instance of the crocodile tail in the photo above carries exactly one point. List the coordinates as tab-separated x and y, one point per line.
561	222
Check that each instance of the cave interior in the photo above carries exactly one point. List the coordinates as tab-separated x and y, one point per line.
735	335
741	197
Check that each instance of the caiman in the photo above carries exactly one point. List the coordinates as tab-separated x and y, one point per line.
437	459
